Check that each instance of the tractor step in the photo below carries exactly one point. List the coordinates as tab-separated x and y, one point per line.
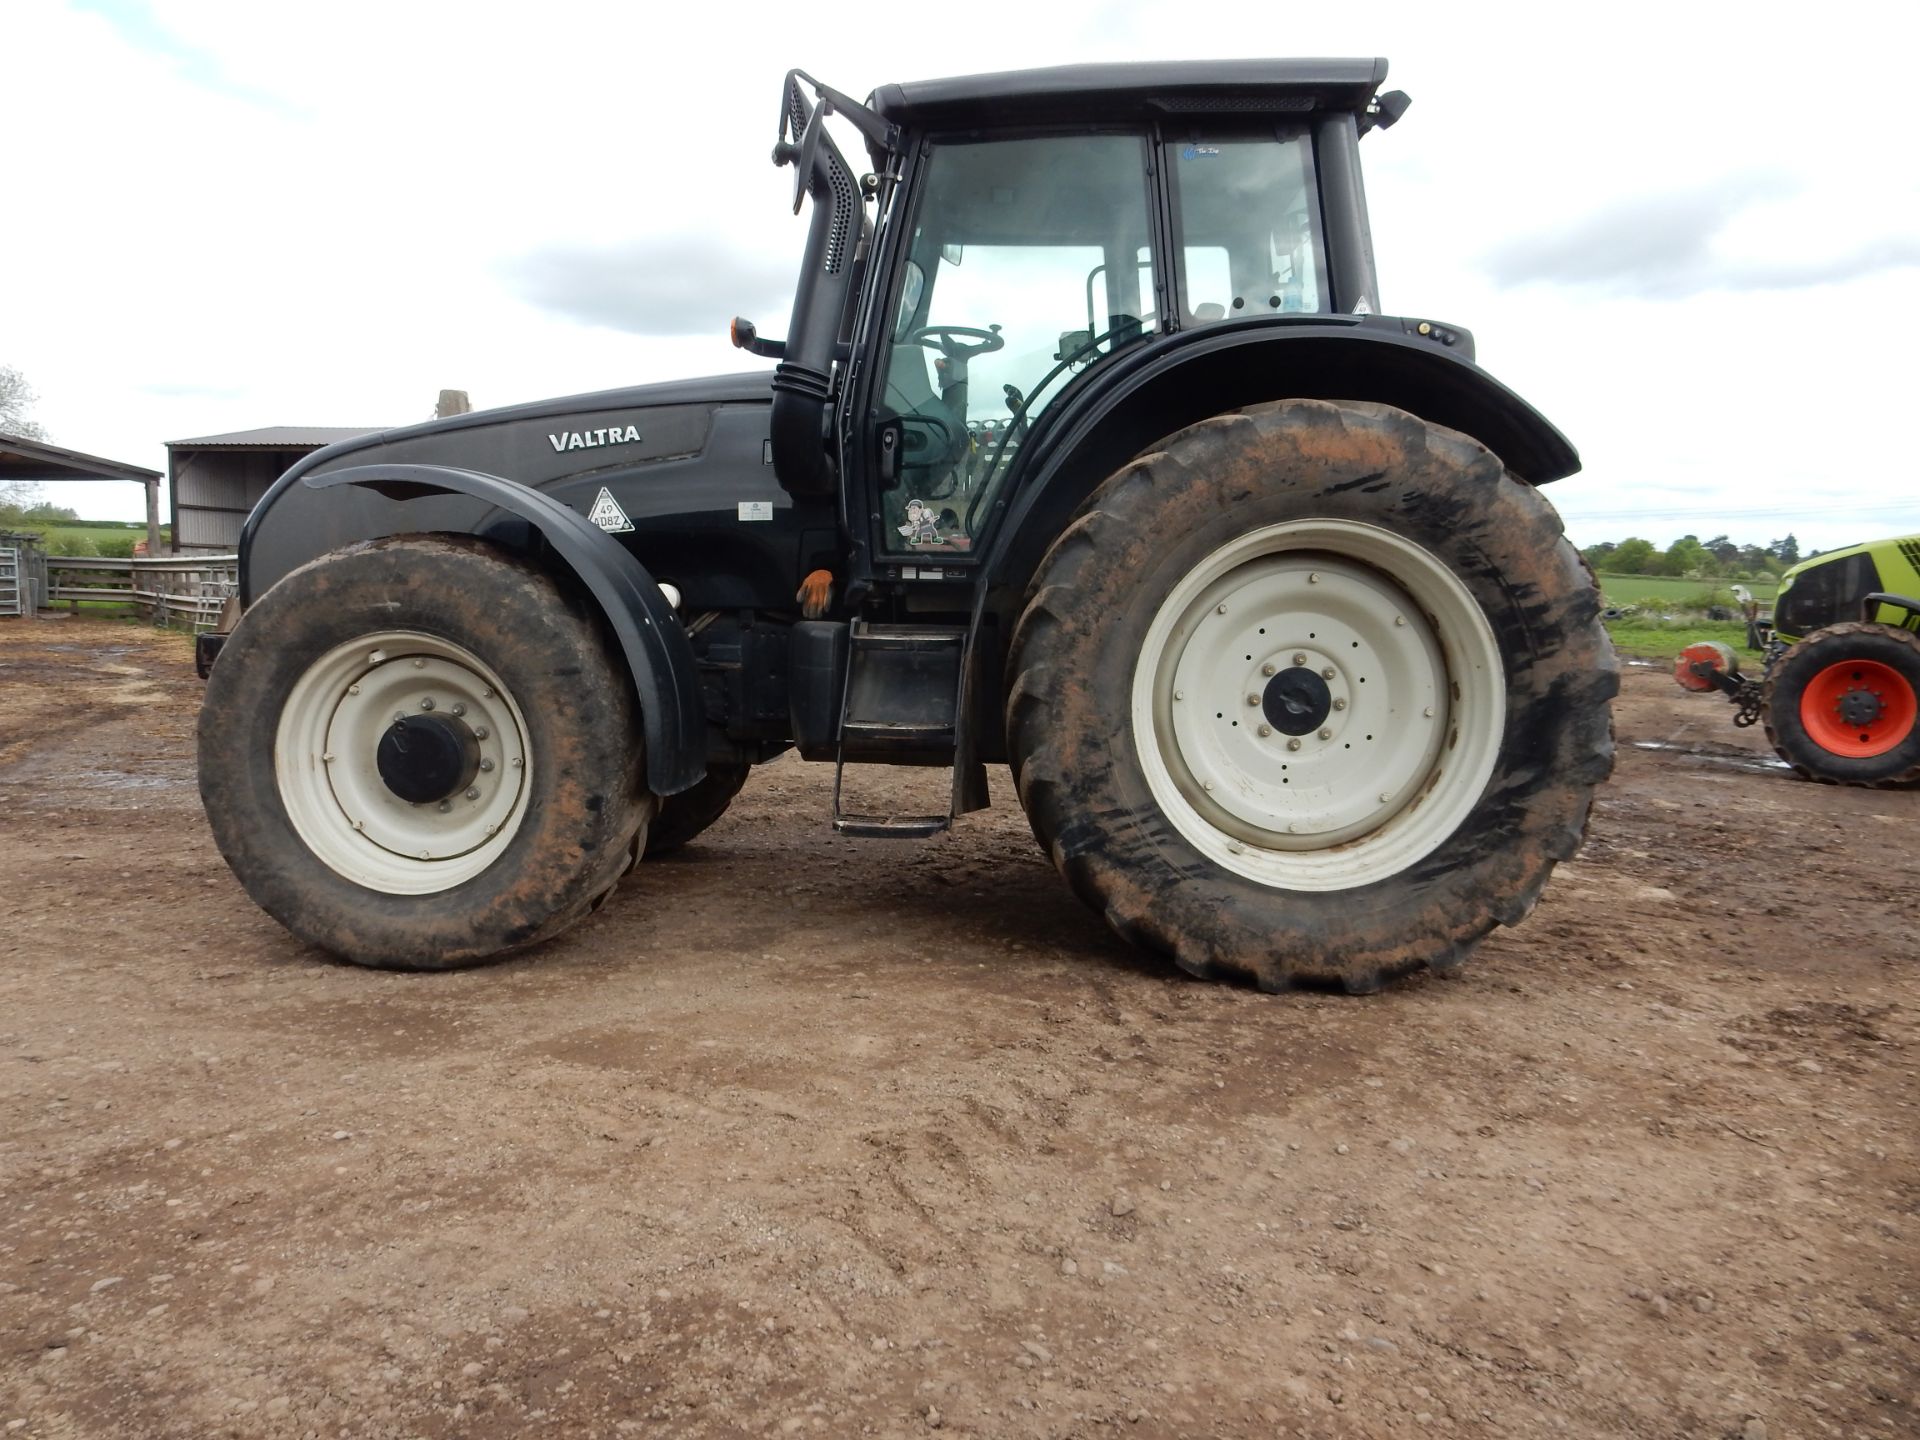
902	695
891	827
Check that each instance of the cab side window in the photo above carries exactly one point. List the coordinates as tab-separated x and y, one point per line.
1248	226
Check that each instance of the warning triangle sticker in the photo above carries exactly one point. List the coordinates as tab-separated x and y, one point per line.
607	514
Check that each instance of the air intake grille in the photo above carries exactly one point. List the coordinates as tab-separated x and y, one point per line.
846	209
1262	104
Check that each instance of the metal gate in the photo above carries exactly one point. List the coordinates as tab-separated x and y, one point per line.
13	593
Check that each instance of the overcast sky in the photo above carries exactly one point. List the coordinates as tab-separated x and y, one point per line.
1690	234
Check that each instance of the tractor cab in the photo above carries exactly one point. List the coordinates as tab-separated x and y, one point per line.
999	260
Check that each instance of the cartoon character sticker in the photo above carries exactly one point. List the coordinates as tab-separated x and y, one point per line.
923	525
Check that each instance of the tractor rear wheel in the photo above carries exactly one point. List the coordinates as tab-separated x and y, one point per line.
1315	694
1843	705
687	814
417	754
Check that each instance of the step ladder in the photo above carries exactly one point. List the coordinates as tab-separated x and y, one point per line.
13	591
899	707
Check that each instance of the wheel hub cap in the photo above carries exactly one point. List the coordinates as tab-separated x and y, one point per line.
422	758
1860	707
1296	701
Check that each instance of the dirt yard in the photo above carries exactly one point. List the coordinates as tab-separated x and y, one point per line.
823	1137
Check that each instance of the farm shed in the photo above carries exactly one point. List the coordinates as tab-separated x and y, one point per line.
33	461
214	480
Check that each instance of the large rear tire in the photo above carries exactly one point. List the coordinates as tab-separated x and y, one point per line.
1315	694
1843	706
417	753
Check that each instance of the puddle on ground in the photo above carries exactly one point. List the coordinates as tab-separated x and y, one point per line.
1731	759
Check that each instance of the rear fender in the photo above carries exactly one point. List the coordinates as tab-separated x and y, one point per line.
1140	397
658	655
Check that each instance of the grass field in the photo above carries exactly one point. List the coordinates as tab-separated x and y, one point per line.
1653	640
1670	590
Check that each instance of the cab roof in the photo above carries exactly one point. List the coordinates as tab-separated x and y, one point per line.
1159	87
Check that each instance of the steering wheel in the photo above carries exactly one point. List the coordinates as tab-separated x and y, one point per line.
990	340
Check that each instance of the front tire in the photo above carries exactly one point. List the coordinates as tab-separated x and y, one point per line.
417	754
1316	694
1843	706
688	814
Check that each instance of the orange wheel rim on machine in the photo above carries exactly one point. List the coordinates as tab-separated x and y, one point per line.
1858	708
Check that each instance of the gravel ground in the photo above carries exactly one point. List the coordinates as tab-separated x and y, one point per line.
811	1136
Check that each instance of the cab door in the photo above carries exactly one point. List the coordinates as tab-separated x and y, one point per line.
1027	261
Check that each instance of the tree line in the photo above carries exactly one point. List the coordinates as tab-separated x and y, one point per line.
1694	558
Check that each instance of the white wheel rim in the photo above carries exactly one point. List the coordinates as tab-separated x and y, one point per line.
324	761
1400	673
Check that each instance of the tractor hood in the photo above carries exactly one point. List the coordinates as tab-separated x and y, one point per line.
654	445
545	440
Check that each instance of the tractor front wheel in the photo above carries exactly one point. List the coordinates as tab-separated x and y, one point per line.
418	753
1843	706
688	814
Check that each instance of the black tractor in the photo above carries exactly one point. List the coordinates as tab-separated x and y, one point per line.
1088	450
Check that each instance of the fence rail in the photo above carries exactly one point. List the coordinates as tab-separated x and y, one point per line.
185	590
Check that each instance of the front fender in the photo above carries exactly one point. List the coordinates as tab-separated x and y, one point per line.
658	655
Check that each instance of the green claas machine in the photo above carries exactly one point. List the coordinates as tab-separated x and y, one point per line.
1839	693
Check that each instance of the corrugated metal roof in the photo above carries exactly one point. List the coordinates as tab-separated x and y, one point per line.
277	437
24	459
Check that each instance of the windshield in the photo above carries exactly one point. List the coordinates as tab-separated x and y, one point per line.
1028	262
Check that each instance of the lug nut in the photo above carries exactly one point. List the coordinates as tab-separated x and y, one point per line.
1294	744
473	792
427	704
1253	699
488	764
1220	609
1298	658
1327	673
1264	731
419	664
480	732
1269	668
445	806
1339	704
458	710
1325	733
